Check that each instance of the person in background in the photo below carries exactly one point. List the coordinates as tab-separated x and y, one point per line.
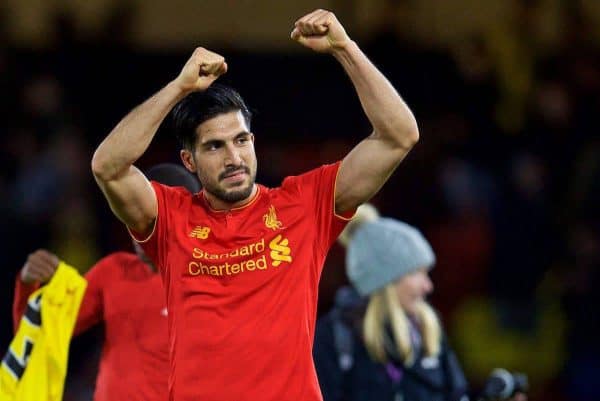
382	340
125	292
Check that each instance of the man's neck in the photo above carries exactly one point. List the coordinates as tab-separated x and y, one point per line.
219	204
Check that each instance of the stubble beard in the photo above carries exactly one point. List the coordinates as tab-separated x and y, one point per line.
231	196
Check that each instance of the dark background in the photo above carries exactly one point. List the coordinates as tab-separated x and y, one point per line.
505	181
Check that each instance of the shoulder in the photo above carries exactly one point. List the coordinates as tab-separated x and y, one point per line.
172	194
326	321
324	330
115	261
333	324
119	257
309	179
313	174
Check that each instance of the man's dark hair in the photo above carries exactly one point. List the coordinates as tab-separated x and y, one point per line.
198	107
174	175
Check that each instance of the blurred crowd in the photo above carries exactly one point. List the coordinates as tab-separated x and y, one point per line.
503	182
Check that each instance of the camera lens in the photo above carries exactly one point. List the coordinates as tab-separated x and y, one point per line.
502	385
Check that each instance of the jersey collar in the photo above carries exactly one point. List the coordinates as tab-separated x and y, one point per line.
240	208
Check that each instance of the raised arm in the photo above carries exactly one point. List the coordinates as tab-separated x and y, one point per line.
368	166
128	192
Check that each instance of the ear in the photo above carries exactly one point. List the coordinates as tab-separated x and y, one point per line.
188	160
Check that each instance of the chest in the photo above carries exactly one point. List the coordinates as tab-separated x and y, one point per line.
135	303
426	379
267	235
234	255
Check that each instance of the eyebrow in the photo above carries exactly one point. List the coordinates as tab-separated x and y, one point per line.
241	134
211	142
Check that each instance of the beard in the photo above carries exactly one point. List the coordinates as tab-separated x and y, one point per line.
231	195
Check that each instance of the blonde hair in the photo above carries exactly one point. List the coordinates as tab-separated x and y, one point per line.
384	308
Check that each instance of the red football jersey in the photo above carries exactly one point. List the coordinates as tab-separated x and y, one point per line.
242	288
129	298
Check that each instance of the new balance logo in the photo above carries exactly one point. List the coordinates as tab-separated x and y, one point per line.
280	251
200	232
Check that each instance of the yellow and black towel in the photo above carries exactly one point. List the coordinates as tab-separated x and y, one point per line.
35	365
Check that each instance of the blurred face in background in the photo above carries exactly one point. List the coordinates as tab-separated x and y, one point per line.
413	288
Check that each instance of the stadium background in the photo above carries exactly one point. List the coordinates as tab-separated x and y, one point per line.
505	181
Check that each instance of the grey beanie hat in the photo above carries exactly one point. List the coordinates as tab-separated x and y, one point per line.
384	250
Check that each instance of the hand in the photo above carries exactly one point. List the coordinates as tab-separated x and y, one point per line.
39	267
320	31
518	397
201	70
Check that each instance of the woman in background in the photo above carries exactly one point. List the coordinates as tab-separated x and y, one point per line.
382	340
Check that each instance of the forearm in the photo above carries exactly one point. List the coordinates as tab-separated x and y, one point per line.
128	141
388	113
22	293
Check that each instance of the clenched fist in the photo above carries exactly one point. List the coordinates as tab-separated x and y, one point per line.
201	70
39	267
320	31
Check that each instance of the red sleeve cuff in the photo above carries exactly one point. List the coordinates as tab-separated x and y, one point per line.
22	293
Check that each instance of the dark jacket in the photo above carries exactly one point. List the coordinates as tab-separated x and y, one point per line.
347	373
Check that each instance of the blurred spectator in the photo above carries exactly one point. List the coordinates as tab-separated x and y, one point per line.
390	345
464	238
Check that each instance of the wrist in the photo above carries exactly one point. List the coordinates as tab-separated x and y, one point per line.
343	48
178	90
24	279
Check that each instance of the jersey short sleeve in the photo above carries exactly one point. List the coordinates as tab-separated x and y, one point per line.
170	200
316	190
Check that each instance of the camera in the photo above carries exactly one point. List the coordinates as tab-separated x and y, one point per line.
502	384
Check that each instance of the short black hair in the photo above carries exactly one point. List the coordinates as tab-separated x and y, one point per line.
198	107
174	175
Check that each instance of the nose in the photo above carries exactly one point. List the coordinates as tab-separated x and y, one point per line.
232	156
427	284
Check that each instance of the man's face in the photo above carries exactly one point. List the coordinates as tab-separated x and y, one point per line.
224	158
